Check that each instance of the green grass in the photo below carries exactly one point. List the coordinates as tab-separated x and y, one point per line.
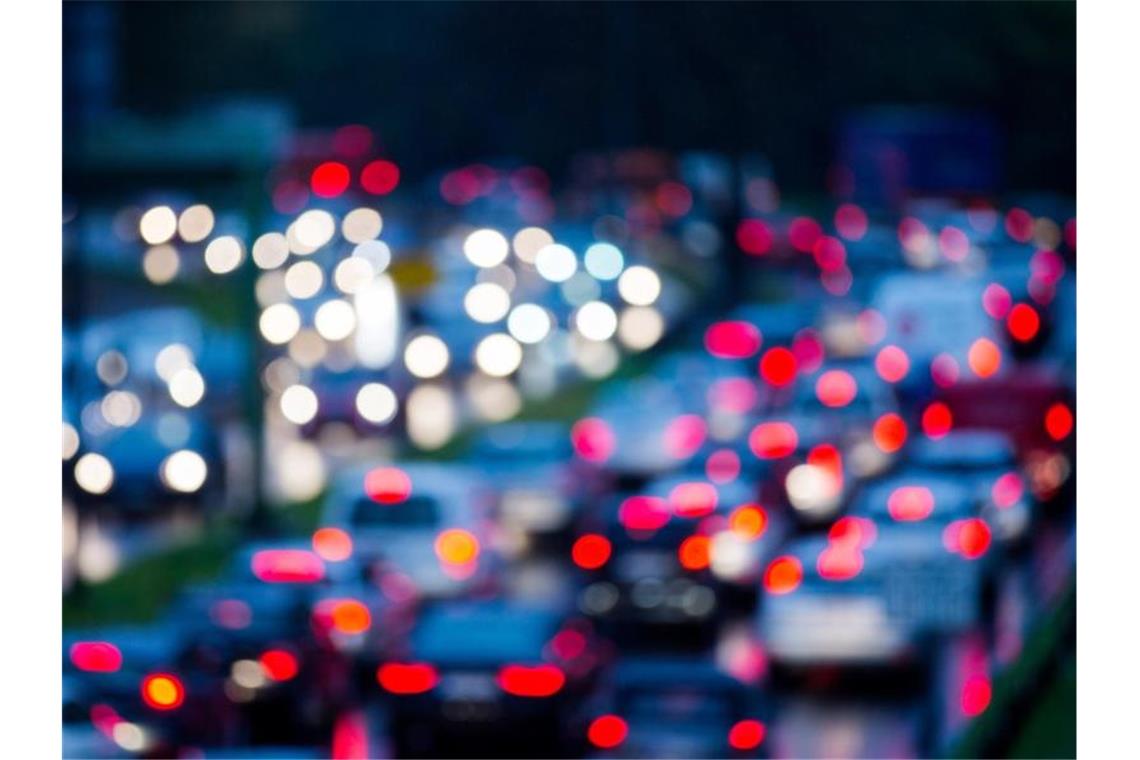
142	590
1045	643
1051	731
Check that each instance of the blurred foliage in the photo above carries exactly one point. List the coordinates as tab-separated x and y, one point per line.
141	591
1021	685
1051	730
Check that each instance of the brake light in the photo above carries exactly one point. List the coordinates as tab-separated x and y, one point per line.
96	656
163	691
748	521
853	531
783	575
643	513
778	366
537	681
1058	421
836	388
773	440
970	538
694	499
591	551
892	363
839	562
607	731
1007	490
746	734
593	440
684	436
1023	322
732	340
910	503
387	485
287	566
937	420
407	677
332	544
889	432
278	664
693	553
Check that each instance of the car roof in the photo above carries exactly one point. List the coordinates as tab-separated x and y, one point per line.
964	449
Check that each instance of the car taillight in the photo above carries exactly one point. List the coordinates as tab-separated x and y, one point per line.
278	664
407	677
287	566
607	731
163	691
536	681
96	656
746	734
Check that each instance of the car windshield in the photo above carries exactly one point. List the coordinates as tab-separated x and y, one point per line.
474	635
416	511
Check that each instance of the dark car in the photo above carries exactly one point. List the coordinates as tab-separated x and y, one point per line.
674	707
487	678
663	563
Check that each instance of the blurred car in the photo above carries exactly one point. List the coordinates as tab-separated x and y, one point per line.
538	485
479	678
427	525
674	707
664	562
157	462
985	461
870	595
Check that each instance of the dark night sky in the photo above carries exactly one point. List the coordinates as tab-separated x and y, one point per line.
445	83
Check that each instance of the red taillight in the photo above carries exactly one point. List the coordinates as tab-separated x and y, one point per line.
746	734
407	677
536	681
96	656
643	513
937	420
591	551
778	366
694	499
910	503
971	537
287	566
387	485
1058	421
163	691
593	440
732	340
1023	322
278	664
889	432
783	575
773	440
839	562
684	436
836	388
607	731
